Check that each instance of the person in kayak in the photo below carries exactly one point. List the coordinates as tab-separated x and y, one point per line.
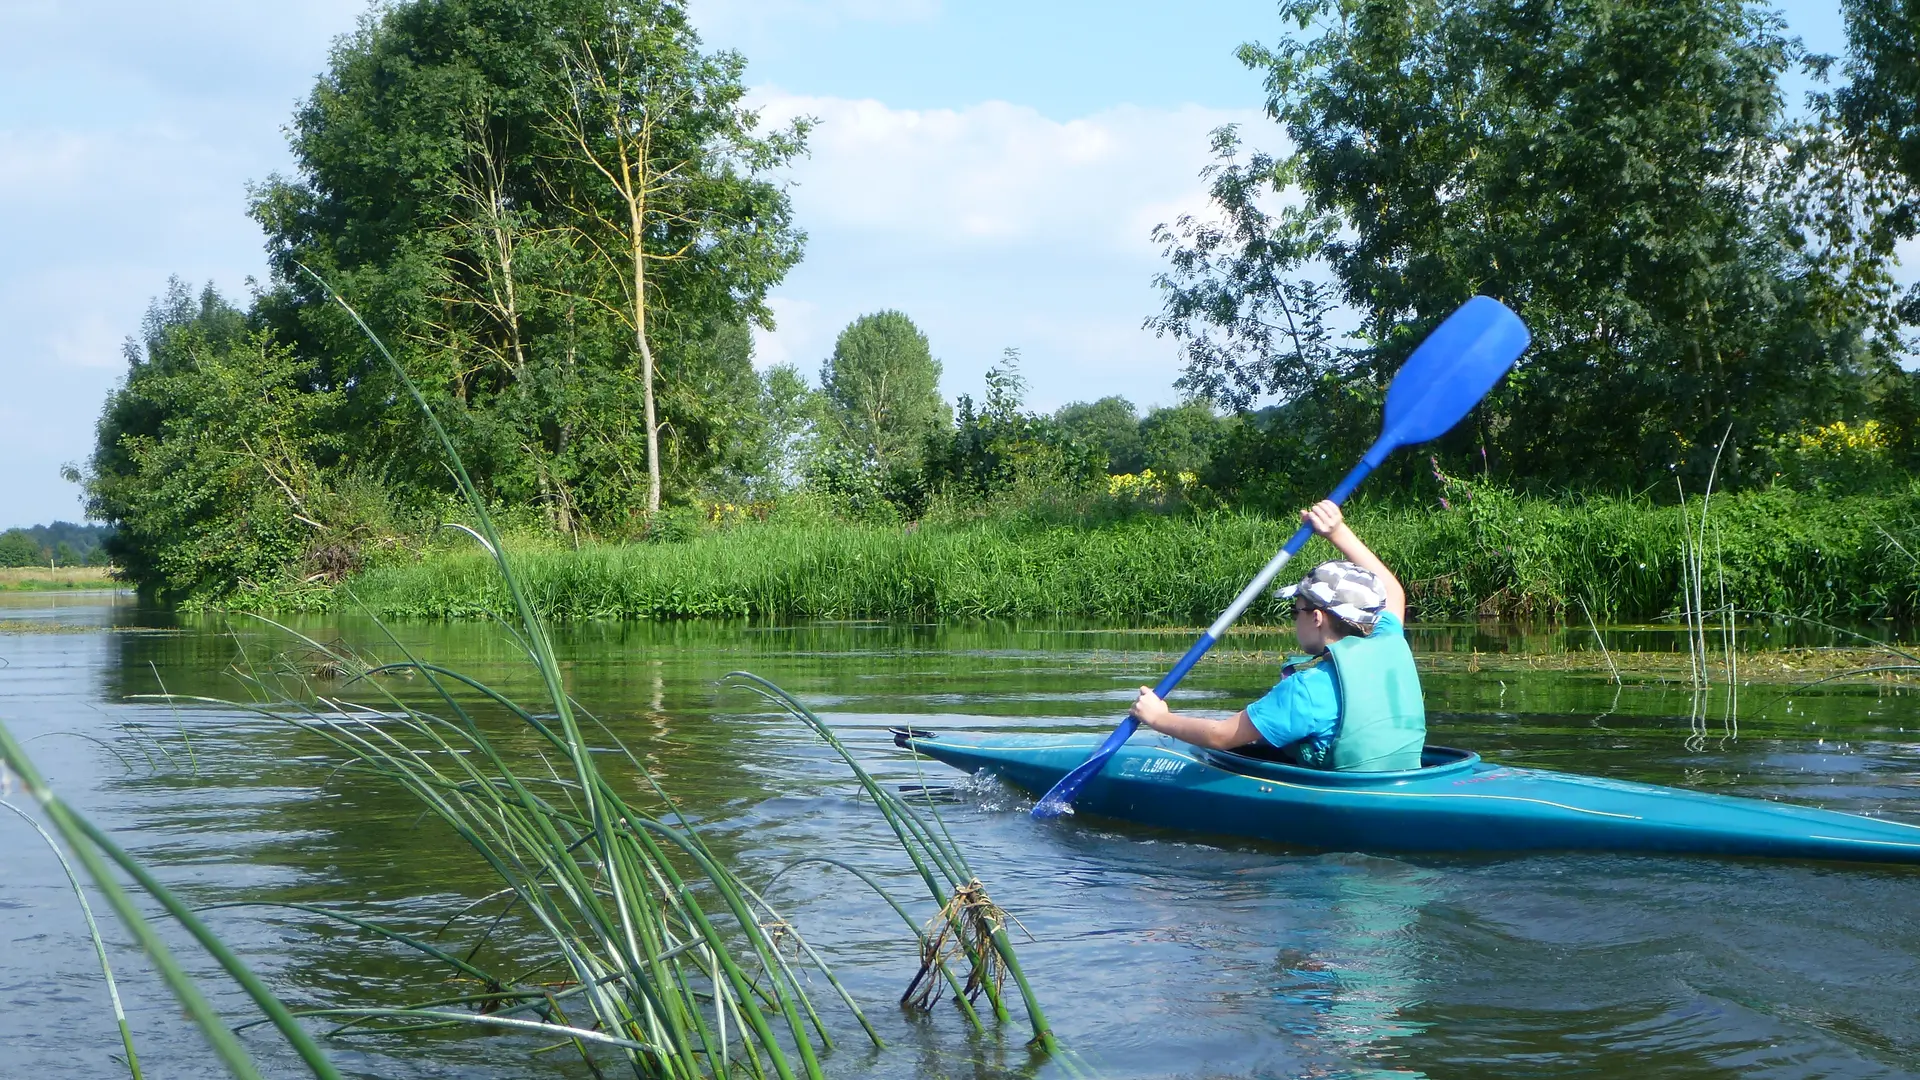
1354	704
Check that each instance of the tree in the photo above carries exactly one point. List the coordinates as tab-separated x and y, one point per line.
1863	193
999	448
786	410
882	389
665	160
1181	438
1111	425
18	549
1604	167
208	461
1880	105
448	183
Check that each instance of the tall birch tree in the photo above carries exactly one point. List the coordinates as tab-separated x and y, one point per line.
664	176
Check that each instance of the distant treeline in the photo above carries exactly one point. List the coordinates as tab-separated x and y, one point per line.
561	218
62	543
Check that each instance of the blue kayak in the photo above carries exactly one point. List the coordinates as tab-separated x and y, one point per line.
1455	802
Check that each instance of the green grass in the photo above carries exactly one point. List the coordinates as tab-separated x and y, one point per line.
1491	553
44	579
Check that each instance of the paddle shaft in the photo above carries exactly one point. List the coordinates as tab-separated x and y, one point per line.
1061	797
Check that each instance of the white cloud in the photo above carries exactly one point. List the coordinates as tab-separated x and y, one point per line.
128	133
997	174
993	226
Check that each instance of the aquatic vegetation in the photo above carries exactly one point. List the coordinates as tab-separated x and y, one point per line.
89	844
969	923
668	961
1491	553
665	955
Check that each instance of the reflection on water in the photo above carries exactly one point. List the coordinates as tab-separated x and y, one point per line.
1361	973
1157	954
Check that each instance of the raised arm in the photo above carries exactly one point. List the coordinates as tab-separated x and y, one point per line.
1327	520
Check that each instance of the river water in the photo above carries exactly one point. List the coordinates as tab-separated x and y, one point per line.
1156	954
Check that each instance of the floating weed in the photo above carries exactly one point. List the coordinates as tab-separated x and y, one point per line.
969	920
965	926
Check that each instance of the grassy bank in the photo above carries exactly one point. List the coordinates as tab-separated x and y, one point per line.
42	578
1488	554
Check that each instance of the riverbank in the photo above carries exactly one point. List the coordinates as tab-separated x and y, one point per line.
1487	555
58	578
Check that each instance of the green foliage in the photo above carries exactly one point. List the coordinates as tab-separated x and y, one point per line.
1488	552
1110	425
208	460
999	451
853	489
1691	262
881	389
448	178
1278	459
1879	104
784	420
1606	168
1181	438
446	181
18	549
1838	459
66	543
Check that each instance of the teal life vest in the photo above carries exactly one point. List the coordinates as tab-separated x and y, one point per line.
1383	720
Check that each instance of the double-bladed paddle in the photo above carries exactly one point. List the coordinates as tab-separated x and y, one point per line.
1444	378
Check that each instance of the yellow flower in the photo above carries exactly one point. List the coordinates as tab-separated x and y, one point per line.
1840	436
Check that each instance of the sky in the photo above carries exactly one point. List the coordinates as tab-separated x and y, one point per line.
993	169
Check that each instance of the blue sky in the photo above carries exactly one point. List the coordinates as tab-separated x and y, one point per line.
990	168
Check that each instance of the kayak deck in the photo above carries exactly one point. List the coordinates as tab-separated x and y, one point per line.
1456	803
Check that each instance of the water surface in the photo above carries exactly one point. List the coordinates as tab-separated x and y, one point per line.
1157	954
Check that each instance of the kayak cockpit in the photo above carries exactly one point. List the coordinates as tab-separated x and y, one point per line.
1435	761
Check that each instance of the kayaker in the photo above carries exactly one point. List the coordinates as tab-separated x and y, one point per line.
1354	704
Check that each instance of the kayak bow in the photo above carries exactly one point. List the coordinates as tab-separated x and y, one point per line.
1456	802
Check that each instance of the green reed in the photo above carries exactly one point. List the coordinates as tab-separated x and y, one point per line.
672	964
94	849
93	933
972	922
1489	553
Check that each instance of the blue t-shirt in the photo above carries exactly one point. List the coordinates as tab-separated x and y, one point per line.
1304	707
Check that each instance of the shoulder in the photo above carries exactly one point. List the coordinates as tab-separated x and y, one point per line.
1309	685
1388	625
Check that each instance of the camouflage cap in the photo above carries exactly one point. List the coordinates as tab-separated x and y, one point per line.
1351	592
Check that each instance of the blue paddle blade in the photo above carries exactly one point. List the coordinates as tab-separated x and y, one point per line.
1452	370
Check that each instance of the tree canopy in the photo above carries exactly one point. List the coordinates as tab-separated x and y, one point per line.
883	386
566	222
557	212
1605	167
1111	425
1880	104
